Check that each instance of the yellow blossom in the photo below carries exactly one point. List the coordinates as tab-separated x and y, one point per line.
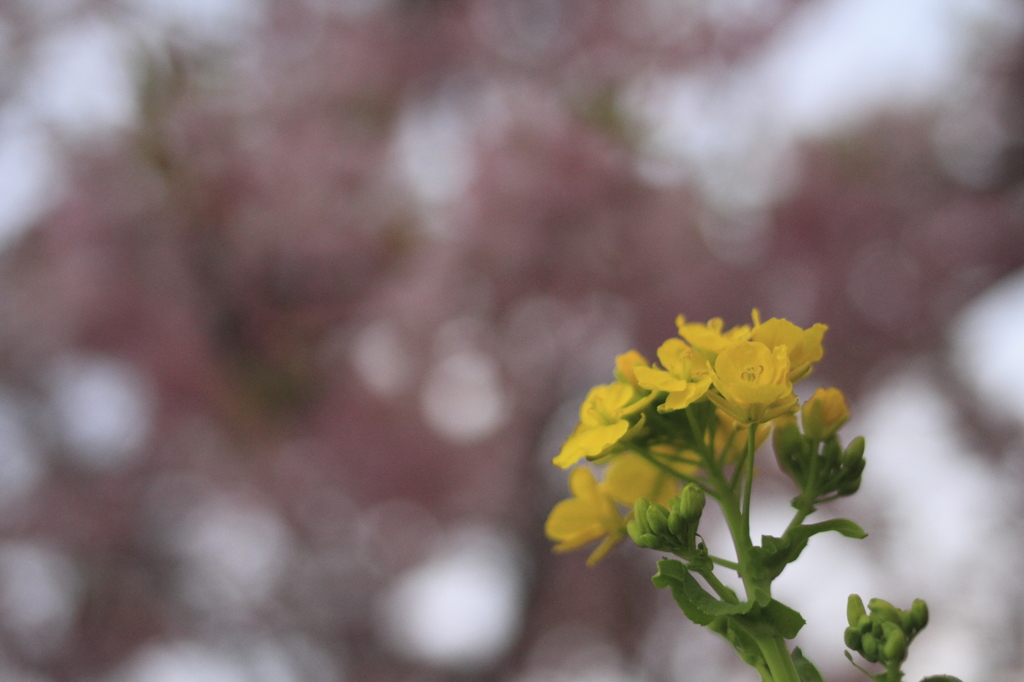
824	413
753	382
708	339
590	514
630	476
626	364
803	345
603	422
685	377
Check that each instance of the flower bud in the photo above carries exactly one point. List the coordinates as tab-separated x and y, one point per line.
869	647
906	621
852	638
824	413
788	443
919	614
640	514
854	610
849	487
634	531
895	646
691	502
676	524
854	452
649	540
626	364
657	519
884	611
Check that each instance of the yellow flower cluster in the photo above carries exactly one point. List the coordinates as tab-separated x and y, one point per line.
746	372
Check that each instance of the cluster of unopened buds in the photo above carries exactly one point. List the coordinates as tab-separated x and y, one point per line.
665	436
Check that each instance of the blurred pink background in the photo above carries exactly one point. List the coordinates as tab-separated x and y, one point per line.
299	299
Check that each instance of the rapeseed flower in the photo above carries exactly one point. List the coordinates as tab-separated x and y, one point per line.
590	514
708	340
604	420
753	382
685	377
802	345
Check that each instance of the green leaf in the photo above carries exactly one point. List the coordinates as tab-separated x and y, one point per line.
696	602
775	553
805	670
673	574
842	526
781	619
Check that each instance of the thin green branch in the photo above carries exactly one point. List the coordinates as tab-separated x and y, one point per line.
724	563
664	467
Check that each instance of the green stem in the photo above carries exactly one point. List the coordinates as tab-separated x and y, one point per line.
724	592
798	518
698	433
780	662
748	485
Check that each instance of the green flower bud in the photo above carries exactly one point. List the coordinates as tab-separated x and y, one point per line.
849	487
676	524
895	646
852	638
691	502
657	519
788	443
919	614
884	611
864	623
832	452
649	540
854	610
869	647
853	453
876	629
634	531
640	514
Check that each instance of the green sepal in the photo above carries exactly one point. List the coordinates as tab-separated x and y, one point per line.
805	670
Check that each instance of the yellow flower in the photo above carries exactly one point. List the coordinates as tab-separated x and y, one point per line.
588	515
630	476
824	413
685	377
626	364
803	345
708	339
753	382
603	422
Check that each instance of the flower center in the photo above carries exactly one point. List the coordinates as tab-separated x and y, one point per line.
752	373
